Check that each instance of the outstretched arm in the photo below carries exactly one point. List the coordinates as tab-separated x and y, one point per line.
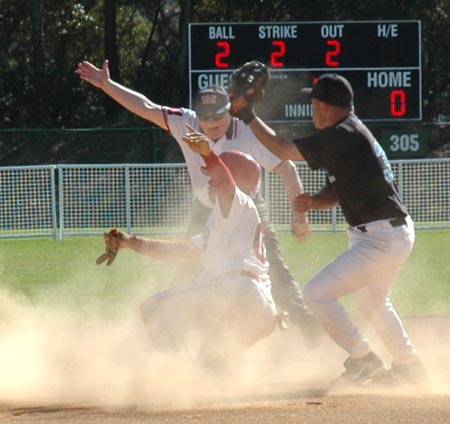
164	250
129	99
243	107
247	85
281	147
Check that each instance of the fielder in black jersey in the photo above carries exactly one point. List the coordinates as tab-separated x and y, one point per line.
381	233
359	173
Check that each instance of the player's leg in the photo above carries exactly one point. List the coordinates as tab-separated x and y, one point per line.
177	319
392	249
406	367
156	315
375	304
341	277
249	316
285	289
322	295
254	306
363	265
359	269
202	323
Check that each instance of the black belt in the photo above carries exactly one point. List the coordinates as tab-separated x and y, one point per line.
396	222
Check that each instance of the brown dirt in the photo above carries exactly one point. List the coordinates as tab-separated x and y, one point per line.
284	383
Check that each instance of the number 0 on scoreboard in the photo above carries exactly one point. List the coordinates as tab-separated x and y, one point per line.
381	59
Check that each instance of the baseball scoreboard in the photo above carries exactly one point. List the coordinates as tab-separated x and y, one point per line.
381	59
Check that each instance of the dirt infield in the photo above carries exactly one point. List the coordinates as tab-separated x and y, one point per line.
346	409
84	382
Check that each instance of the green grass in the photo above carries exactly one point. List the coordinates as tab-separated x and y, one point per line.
65	273
423	287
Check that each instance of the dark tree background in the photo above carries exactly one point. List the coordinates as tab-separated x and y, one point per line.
146	44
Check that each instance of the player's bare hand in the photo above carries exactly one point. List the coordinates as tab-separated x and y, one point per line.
114	240
300	229
303	203
93	75
198	142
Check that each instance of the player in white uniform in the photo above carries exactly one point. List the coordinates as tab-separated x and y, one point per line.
228	306
213	119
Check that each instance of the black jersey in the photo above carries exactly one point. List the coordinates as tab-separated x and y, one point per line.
358	170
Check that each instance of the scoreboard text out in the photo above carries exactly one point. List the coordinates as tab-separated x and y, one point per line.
381	59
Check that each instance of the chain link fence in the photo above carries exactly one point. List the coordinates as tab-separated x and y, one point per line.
68	200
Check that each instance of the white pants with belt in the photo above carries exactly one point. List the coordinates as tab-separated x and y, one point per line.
369	269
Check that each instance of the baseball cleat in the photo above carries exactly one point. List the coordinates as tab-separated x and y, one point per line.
359	371
413	373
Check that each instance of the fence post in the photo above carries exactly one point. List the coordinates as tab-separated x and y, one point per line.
52	169
61	202
127	198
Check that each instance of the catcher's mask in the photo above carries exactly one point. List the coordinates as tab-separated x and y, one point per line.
245	170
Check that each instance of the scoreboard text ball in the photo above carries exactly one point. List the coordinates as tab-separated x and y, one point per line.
381	59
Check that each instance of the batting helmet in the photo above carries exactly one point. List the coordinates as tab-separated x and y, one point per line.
245	170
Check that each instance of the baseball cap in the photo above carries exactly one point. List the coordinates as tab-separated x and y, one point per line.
333	89
212	100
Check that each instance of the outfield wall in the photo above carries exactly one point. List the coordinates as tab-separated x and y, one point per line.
67	200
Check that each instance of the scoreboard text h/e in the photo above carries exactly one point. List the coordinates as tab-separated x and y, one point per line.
381	59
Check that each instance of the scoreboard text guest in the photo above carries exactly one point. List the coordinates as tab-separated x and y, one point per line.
381	59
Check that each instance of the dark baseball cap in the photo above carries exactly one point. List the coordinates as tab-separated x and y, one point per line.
212	100
333	89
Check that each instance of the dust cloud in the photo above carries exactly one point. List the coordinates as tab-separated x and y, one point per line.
51	355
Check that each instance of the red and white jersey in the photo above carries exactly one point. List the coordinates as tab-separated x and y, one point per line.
238	137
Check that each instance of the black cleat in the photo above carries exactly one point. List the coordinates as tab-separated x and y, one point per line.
413	373
359	371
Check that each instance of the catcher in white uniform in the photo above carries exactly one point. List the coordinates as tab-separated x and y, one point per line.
228	306
212	118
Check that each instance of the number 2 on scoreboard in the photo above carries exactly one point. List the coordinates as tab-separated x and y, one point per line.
277	56
331	55
222	54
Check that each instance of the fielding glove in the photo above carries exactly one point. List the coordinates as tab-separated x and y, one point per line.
112	242
247	88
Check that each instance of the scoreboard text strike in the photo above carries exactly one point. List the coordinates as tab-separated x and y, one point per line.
381	59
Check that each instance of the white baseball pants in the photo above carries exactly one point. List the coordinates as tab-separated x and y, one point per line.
222	317
369	269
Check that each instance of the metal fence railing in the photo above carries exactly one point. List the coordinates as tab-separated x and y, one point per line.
66	200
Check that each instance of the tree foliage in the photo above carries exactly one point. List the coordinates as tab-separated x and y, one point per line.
146	41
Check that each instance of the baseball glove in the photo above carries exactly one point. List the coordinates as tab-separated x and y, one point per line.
112	242
246	88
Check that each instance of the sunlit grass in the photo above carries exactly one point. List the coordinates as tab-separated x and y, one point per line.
40	267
